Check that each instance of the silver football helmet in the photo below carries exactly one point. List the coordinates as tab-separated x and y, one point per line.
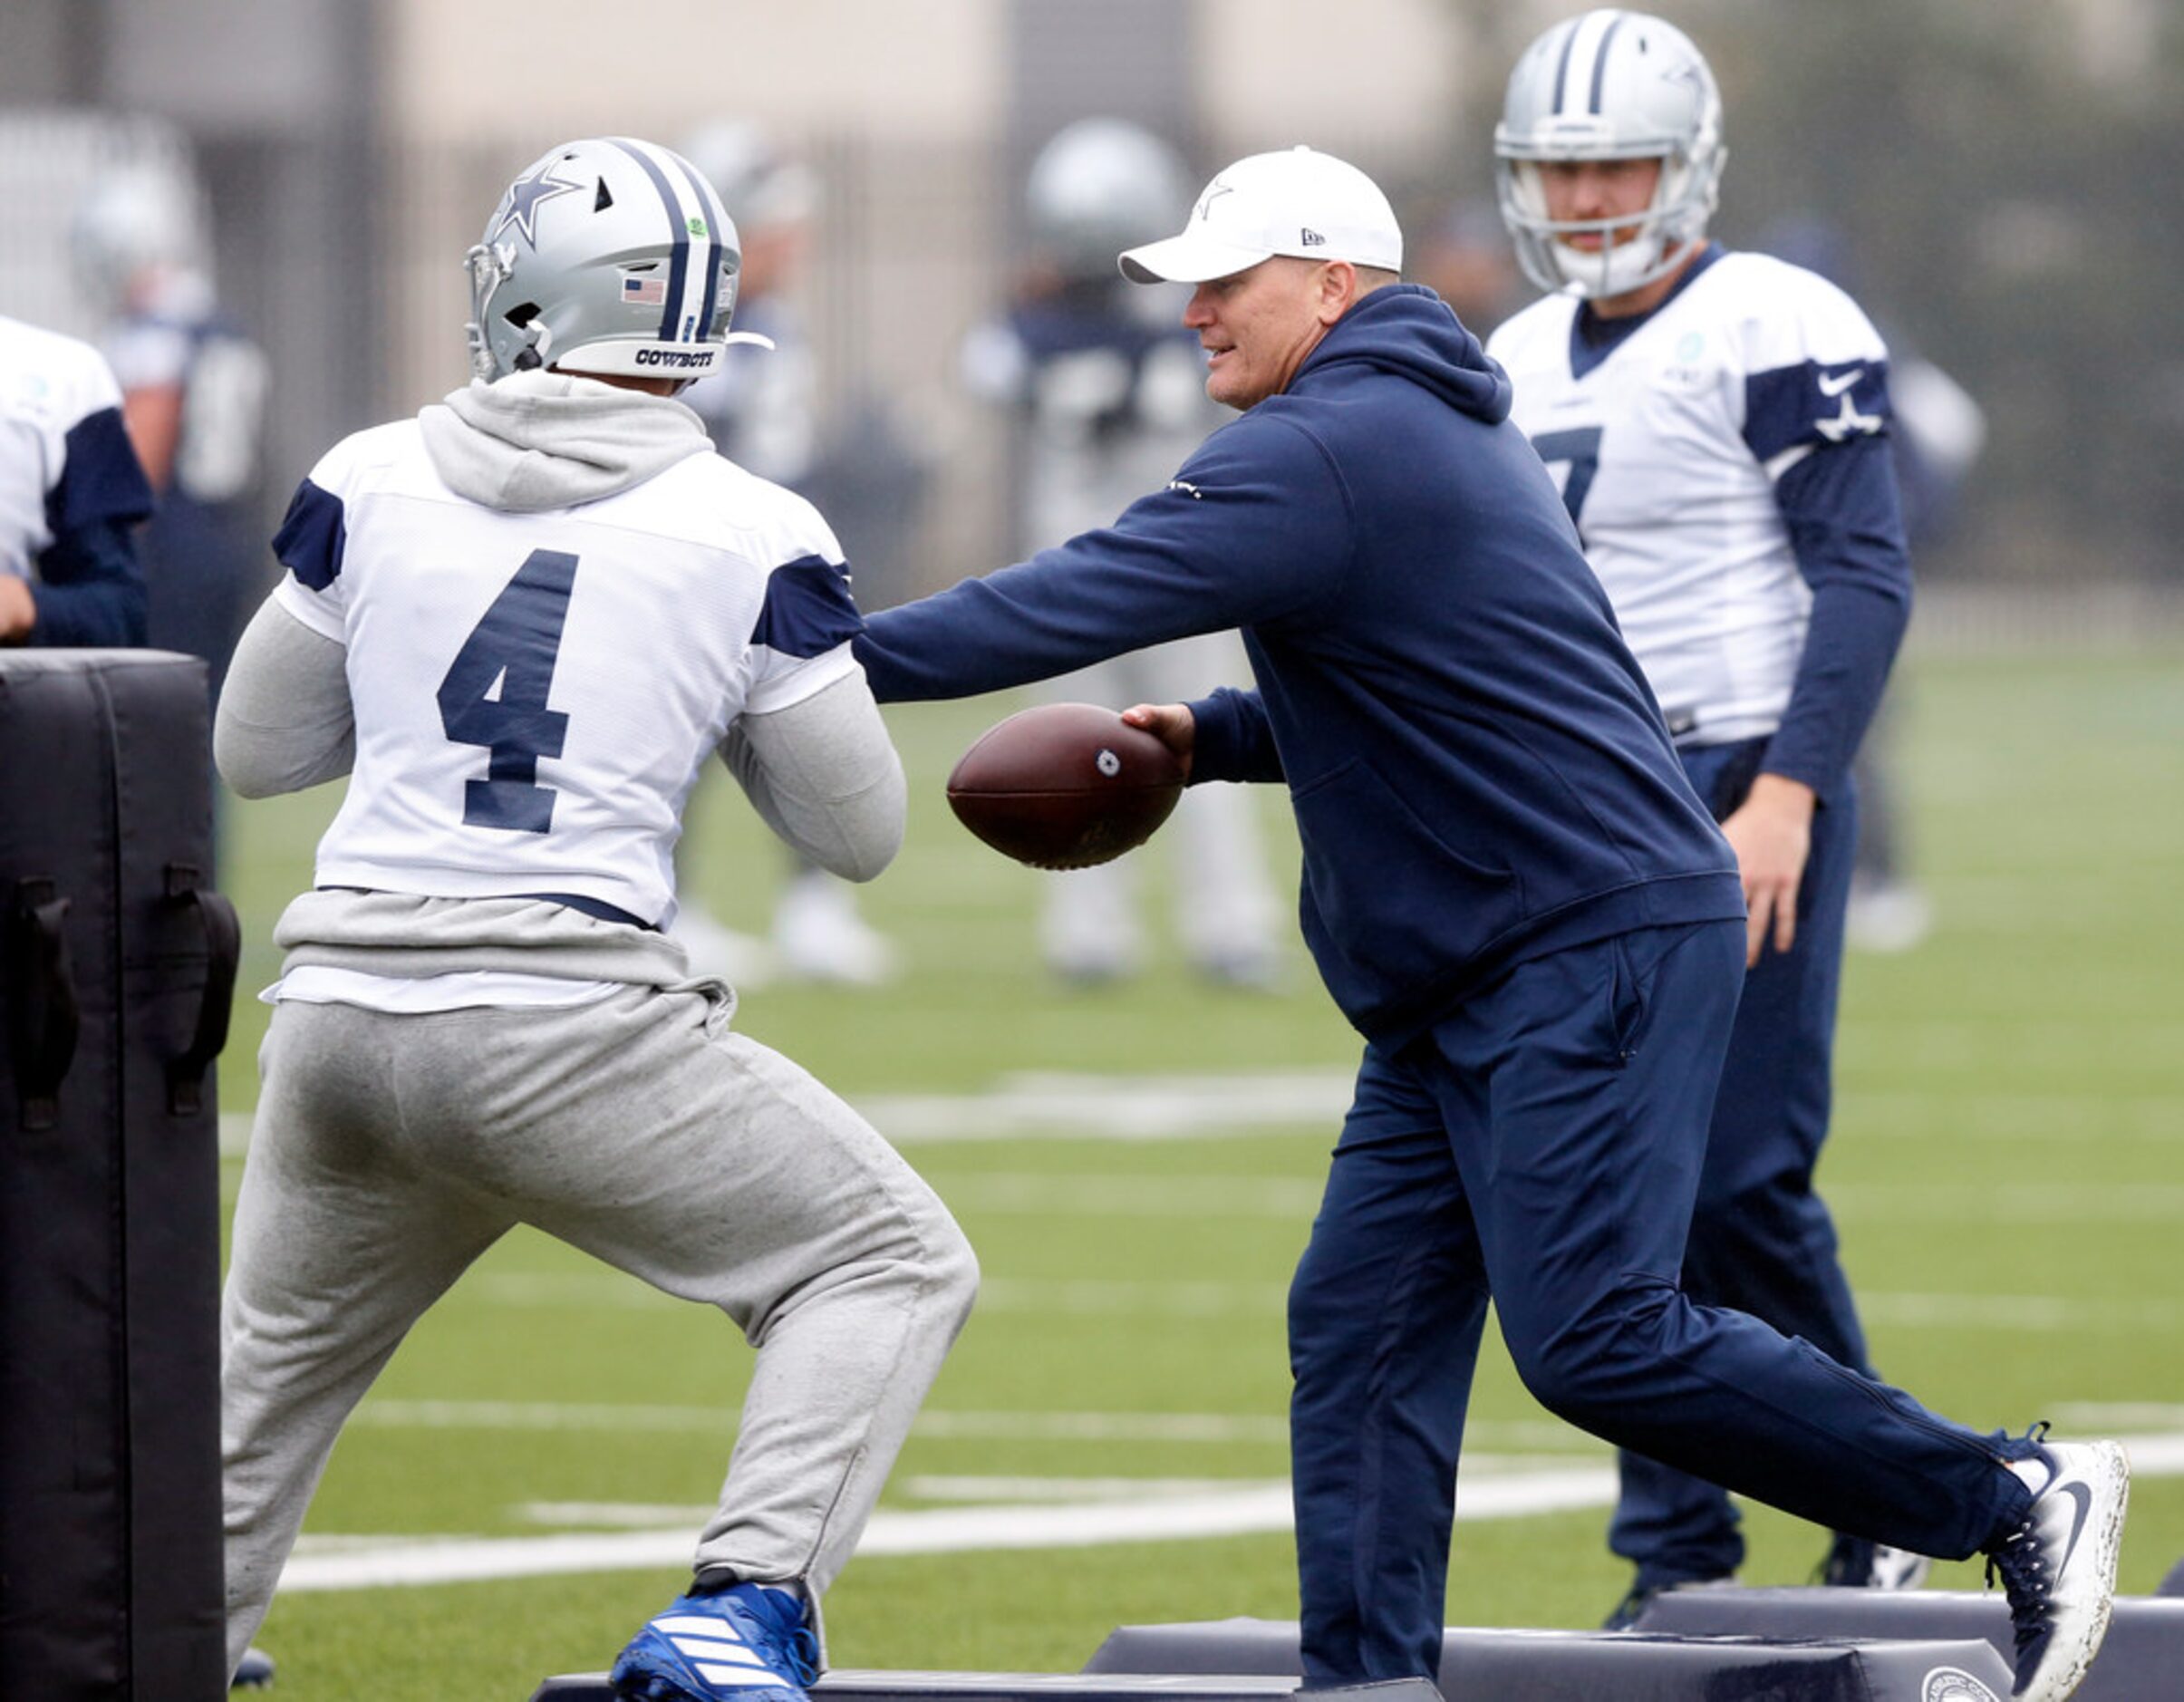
1609	84
607	255
134	219
759	184
1100	186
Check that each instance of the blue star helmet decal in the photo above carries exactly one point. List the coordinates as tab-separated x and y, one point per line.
519	208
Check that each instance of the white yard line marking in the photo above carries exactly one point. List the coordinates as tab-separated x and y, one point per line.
1218	1429
1247	1509
1119	1108
2023	1203
2105	1316
975	1490
1253	1509
1093	1297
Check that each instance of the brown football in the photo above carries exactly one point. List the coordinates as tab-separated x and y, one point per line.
1065	786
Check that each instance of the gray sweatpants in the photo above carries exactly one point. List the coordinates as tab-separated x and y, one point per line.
391	1151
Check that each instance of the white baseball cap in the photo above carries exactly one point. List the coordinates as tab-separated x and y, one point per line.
1308	205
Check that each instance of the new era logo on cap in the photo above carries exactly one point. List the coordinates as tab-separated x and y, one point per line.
1300	202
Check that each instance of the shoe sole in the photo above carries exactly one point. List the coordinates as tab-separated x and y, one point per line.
2106	1470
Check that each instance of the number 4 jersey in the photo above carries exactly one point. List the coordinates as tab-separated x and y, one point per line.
1669	438
536	693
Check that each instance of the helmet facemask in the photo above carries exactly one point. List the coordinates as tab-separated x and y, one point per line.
1609	85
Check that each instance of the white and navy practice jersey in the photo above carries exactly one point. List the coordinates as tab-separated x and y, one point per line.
1669	438
536	693
63	453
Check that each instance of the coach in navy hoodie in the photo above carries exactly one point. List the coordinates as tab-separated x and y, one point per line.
1508	887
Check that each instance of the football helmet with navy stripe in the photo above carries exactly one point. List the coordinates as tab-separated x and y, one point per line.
606	256
1609	84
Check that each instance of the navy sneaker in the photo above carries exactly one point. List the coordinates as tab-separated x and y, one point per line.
1854	1564
739	1643
1632	1608
2057	1561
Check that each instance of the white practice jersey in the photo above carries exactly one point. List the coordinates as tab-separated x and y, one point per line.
1667	448
536	693
49	387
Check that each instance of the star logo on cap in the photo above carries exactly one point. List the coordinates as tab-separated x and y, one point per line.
521	207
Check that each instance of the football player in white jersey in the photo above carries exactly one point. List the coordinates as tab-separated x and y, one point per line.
1718	421
72	496
521	623
1106	396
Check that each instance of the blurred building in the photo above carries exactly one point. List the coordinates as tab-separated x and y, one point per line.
2007	165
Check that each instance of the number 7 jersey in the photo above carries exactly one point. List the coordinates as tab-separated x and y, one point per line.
536	693
1668	443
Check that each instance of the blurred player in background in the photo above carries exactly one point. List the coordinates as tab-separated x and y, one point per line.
522	621
72	495
1938	431
1720	424
1468	261
762	410
193	393
1109	395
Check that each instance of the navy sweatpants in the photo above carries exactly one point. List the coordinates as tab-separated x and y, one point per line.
1543	1146
1761	1240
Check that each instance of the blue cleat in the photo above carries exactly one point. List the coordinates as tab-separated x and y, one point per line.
253	1672
739	1643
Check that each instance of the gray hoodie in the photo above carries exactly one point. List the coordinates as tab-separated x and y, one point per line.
823	773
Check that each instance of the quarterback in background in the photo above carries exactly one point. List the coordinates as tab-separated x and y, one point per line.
521	623
1718	421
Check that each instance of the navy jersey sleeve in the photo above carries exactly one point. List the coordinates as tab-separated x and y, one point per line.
92	590
1846	527
1825	426
1255	527
808	609
314	535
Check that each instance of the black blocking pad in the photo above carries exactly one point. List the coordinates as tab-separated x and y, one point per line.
2141	1660
851	1685
1255	1660
1523	1666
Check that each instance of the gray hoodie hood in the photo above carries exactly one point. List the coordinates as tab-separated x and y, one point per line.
536	440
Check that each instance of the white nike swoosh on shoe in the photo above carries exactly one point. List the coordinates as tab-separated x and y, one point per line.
2082	1497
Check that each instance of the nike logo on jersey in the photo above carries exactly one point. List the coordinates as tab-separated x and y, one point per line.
1842	381
1849	424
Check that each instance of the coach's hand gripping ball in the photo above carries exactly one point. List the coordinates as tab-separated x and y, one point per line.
1065	786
